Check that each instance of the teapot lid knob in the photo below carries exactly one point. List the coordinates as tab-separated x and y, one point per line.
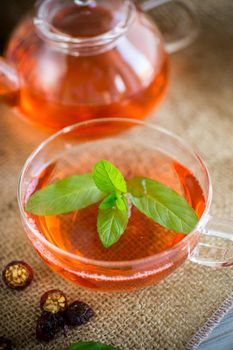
83	2
83	23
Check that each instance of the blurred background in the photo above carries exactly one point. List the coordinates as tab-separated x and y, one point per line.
10	13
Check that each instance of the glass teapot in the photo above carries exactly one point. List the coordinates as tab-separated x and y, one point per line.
74	60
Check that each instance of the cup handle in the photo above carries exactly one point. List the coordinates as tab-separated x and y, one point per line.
215	245
185	31
9	84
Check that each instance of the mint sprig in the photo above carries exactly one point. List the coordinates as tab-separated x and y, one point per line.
91	345
154	199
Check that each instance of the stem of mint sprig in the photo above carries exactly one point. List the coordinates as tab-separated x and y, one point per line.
86	345
107	185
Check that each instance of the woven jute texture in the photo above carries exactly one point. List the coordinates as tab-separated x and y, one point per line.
199	108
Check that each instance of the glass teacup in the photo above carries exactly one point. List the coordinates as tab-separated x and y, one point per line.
147	253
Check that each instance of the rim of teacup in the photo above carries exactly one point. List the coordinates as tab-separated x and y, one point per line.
124	263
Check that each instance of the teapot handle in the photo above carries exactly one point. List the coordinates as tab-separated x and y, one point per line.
9	84
179	33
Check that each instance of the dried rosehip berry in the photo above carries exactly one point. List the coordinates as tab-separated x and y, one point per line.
48	325
5	344
53	301
17	275
78	313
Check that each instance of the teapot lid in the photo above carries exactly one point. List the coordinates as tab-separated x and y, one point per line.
81	23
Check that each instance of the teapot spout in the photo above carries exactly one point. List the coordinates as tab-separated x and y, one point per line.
9	84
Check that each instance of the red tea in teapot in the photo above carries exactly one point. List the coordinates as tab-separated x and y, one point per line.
76	63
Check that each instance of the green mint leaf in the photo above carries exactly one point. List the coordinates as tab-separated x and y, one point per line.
64	196
115	199
91	345
111	224
108	178
121	203
109	202
162	204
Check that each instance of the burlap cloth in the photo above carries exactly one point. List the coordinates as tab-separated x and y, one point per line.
199	108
